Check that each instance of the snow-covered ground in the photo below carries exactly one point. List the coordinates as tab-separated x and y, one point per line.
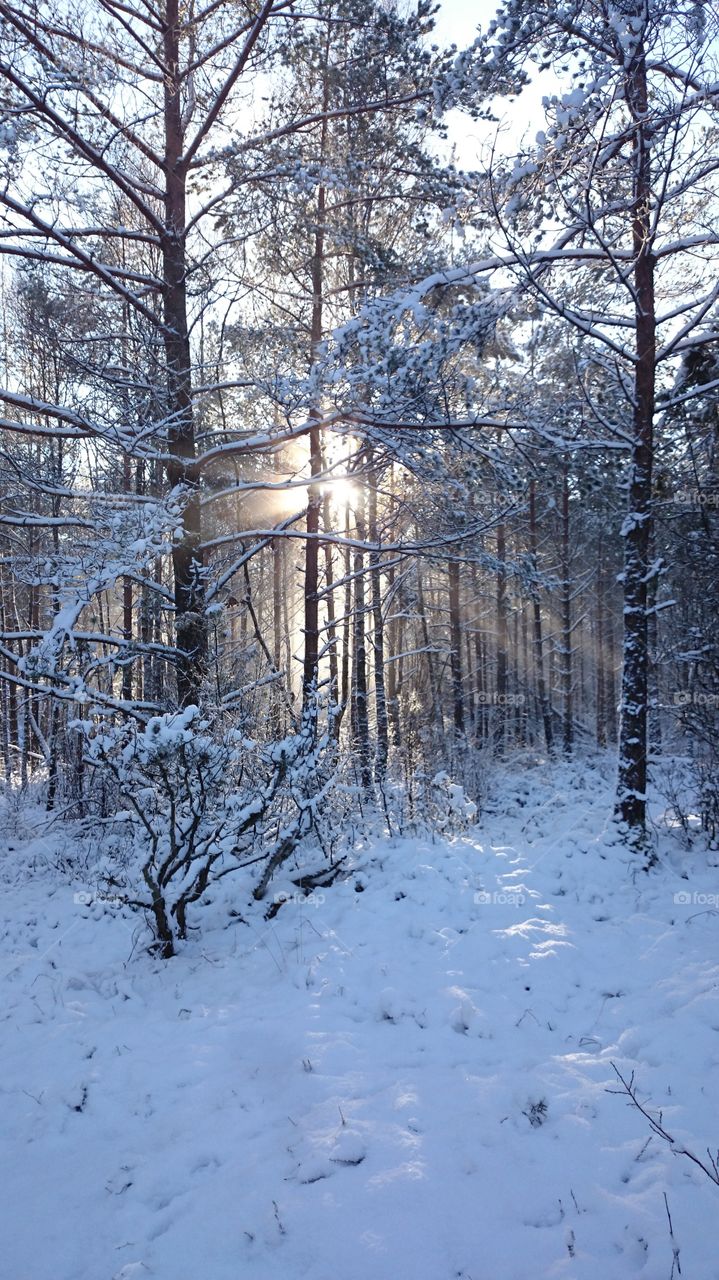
404	1077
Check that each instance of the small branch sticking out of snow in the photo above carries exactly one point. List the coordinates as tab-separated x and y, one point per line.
711	1168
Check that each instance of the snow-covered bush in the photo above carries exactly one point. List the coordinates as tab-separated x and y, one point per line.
194	805
438	803
453	807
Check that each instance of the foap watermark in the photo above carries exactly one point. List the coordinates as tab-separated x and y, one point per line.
310	899
499	898
694	498
689	898
88	898
683	698
488	699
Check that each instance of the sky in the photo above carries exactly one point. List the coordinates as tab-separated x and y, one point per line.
458	22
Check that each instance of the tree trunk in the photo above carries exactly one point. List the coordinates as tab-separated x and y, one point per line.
632	780
361	701
380	693
437	715
190	622
499	717
394	640
654	725
127	601
565	666
599	645
455	647
332	638
345	693
314	496
311	586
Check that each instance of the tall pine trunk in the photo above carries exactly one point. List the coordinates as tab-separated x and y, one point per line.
632	780
380	692
361	698
190	622
455	647
314	497
542	694
565	665
499	717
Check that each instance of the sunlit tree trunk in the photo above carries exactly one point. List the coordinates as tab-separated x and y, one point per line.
380	692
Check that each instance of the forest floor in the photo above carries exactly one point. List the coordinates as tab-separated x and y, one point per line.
409	1075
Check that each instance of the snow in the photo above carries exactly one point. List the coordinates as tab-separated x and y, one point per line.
403	1075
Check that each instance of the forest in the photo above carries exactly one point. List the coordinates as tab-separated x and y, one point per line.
359	497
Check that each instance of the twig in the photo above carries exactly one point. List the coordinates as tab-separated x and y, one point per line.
711	1169
676	1264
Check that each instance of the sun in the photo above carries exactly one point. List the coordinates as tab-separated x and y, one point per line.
342	492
